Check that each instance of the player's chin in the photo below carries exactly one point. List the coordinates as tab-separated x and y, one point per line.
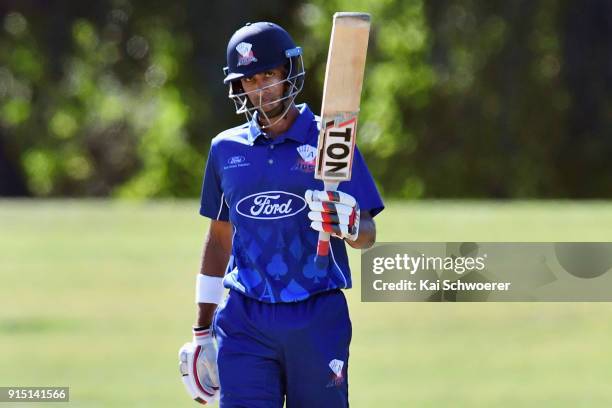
272	111
269	106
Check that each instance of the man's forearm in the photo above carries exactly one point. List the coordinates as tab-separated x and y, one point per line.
214	261
205	314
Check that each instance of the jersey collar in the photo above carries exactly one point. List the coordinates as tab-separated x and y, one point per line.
298	130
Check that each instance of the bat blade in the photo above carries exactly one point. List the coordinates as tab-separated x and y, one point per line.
340	109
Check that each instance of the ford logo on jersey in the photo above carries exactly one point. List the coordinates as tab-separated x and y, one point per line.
270	205
236	160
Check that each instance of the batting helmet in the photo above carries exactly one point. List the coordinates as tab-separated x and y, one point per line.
258	47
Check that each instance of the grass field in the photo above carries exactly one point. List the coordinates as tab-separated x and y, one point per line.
98	296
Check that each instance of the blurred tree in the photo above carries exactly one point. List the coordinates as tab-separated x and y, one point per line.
582	156
12	182
473	98
397	87
463	98
114	98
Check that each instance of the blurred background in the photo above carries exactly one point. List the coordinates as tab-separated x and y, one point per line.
462	98
481	121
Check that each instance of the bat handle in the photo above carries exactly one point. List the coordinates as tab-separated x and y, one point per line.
322	257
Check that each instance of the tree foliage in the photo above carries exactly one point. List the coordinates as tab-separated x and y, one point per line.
462	98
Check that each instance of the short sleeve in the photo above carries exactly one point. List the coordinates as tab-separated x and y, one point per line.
362	186
212	200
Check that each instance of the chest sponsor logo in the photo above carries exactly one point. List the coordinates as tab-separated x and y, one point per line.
270	205
307	156
236	161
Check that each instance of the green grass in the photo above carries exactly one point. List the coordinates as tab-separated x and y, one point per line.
98	296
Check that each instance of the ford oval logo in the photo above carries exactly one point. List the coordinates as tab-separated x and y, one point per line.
270	205
236	160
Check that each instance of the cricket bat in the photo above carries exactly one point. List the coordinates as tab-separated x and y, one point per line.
341	98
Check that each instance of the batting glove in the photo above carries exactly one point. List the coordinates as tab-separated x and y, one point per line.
198	367
334	212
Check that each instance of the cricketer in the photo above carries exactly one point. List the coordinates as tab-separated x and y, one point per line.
282	334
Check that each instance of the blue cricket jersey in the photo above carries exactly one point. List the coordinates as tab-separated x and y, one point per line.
258	184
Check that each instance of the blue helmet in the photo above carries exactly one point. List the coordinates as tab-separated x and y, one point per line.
258	47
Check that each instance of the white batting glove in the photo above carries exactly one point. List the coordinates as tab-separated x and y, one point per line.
334	212
198	367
